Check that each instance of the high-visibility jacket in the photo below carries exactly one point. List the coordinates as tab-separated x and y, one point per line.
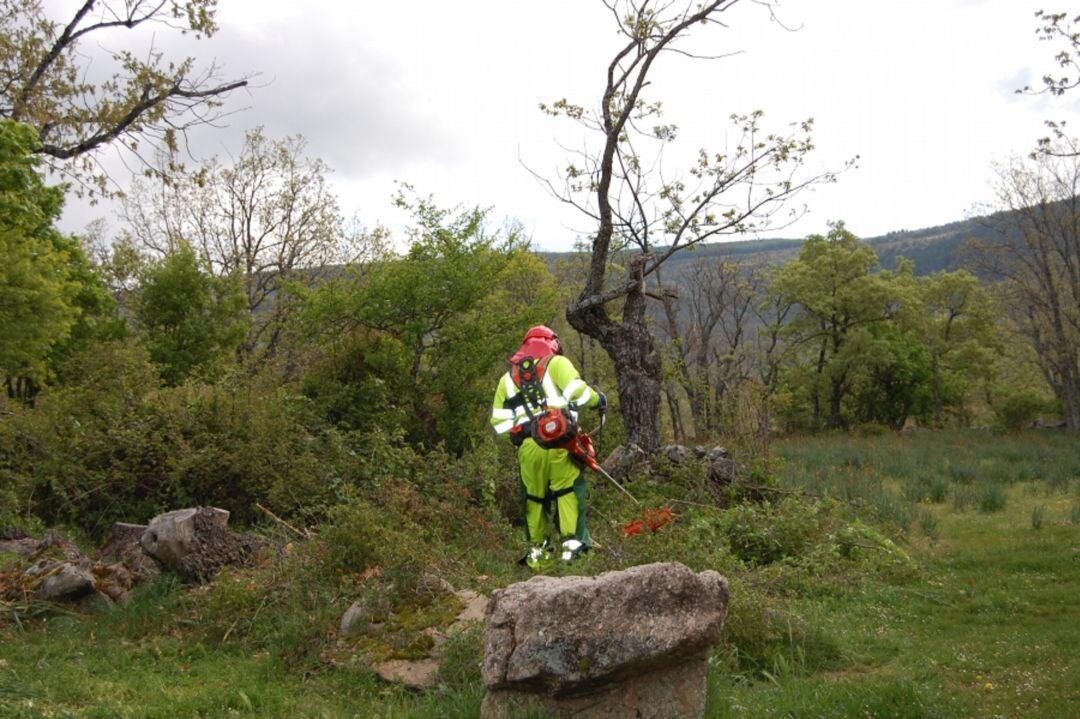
563	388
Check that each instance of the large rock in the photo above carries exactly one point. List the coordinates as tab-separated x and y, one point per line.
677	454
549	641
195	542
127	563
626	459
24	546
62	581
673	691
721	468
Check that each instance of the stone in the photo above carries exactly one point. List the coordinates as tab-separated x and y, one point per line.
417	674
122	537
355	620
195	542
607	637
420	673
96	603
64	581
433	587
721	468
473	606
678	690
677	453
123	551
9	531
24	547
716	453
54	540
626	459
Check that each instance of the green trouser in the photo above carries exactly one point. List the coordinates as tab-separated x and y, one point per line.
549	477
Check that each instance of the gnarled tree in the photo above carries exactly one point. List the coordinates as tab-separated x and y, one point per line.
144	100
635	206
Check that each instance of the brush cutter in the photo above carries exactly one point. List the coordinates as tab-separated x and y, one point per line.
581	447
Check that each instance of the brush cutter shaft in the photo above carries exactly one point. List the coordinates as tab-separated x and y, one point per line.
624	490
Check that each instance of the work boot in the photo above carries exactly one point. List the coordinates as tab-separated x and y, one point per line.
572	549
537	557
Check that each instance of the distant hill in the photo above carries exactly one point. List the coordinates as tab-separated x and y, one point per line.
931	249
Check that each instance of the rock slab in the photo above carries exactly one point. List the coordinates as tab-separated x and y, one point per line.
632	633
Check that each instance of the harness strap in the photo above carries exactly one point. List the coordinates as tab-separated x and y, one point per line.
552	494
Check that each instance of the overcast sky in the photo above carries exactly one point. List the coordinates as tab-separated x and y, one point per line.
444	95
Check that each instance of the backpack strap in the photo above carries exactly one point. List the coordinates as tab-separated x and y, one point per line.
528	375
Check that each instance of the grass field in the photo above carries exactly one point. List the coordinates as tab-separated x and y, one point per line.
985	622
991	626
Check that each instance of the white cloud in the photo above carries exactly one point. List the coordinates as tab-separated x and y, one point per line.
445	95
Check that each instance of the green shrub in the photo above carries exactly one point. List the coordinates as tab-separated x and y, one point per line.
114	446
963	497
928	523
889	508
764	533
963	473
932	489
762	634
1016	410
991	498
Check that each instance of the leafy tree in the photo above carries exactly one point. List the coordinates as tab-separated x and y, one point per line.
37	293
416	340
956	324
189	319
143	99
268	217
837	296
631	204
893	377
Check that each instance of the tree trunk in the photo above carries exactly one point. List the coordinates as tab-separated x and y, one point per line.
638	369
816	399
936	387
1070	402
671	390
836	419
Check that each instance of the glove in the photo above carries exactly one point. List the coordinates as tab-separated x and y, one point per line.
602	404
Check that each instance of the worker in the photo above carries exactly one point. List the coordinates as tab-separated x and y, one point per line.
543	384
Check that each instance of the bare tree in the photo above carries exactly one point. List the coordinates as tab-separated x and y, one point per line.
707	327
633	203
1037	251
268	216
145	101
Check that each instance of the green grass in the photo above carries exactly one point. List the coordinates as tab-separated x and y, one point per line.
990	626
963	612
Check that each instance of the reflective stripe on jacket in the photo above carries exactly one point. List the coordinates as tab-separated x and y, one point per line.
563	387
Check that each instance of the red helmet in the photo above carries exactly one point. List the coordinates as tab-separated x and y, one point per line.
539	341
